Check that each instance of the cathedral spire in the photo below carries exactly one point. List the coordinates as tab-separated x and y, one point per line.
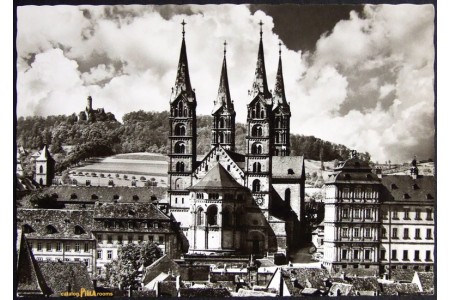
223	95
260	82
279	94
182	82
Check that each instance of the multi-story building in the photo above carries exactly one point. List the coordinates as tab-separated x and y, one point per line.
57	234
407	222
115	224
384	221
227	201
352	222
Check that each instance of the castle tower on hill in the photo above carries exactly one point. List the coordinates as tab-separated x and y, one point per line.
228	202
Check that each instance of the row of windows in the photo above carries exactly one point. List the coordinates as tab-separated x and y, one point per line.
358	193
109	254
407	214
356	254
87	261
130	238
58	247
131	224
357	232
405	257
181	110
406	233
222	137
357	213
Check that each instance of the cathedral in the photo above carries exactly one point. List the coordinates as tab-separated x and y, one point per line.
228	202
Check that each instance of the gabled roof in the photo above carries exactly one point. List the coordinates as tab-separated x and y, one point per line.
162	265
426	281
63	220
217	178
402	275
287	166
30	281
394	289
406	188
45	155
360	283
305	277
60	275
353	170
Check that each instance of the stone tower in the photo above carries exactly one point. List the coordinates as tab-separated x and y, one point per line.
281	114
182	135
223	129
45	168
258	141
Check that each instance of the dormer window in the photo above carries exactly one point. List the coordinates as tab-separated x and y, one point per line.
429	197
135	197
51	229
79	230
116	197
406	196
415	186
73	196
393	186
94	197
131	213
290	172
27	229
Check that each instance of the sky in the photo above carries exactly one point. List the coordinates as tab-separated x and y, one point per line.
358	75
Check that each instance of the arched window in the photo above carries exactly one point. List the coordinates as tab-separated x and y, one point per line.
256	148
277	137
212	215
79	230
277	152
180	129
257	130
180	147
200	216
287	196
256	167
227	217
51	229
258	110
256	186
41	169
277	122
220	137
180	166
179	184
41	181
222	123
180	108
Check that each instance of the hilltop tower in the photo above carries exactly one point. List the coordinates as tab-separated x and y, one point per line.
182	135
223	127
282	115
45	168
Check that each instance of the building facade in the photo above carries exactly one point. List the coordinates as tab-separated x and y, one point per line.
227	201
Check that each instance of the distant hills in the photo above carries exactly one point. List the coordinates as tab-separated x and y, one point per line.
140	132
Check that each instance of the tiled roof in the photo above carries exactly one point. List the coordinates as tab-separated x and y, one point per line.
167	289
140	211
350	272
59	275
56	223
104	193
236	157
281	166
360	283
217	178
402	275
405	188
204	292
25	184
252	293
427	281
305	277
162	264
393	289
29	277
341	289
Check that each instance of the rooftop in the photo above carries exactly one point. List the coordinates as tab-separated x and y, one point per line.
140	211
287	166
406	188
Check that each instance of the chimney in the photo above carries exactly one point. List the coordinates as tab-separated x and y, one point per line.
379	172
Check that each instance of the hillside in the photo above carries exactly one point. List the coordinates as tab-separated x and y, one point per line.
140	132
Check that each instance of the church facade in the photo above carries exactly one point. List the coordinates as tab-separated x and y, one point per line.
229	202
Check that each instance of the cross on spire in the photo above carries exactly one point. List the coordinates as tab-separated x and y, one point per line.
224	48
183	23
260	25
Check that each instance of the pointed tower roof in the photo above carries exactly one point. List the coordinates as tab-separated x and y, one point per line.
217	178
279	95
182	81
223	95
30	279
45	154
260	81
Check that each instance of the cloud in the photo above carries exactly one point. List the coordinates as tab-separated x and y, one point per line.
368	85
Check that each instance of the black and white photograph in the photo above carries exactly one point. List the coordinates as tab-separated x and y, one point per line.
225	150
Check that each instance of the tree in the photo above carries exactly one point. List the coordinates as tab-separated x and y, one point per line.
123	271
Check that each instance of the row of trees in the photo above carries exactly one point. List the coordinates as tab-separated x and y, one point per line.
140	131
